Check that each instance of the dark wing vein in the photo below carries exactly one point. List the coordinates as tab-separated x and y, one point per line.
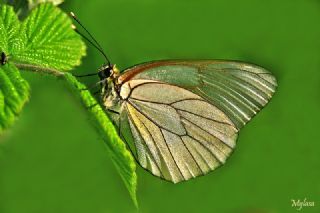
208	133
145	144
200	154
174	160
247	71
206	148
193	158
205	119
224	107
134	105
211	119
156	102
248	87
229	91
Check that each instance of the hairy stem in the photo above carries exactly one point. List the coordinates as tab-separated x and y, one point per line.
35	68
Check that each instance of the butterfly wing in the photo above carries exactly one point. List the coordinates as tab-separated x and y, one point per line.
181	119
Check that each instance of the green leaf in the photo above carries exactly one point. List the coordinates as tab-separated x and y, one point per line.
50	42
121	157
14	93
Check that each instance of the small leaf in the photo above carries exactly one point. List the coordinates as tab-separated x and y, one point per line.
121	157
50	40
14	93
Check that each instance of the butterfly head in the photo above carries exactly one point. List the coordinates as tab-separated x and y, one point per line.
109	71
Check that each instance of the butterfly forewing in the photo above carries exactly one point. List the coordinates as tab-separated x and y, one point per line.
239	89
181	118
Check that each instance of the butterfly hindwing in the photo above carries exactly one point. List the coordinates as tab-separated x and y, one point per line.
178	135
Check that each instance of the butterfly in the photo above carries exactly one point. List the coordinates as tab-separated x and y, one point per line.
181	118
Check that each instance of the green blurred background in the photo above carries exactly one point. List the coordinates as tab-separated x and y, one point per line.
52	160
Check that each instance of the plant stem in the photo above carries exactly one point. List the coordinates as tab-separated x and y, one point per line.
35	68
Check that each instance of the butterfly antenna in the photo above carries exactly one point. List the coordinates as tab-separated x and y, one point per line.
94	43
88	40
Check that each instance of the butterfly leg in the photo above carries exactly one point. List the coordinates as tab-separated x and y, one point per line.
113	111
109	110
99	83
94	94
93	105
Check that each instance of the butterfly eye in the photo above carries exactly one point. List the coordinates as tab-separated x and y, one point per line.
105	72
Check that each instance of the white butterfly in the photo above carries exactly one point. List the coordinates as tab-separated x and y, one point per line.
181	119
